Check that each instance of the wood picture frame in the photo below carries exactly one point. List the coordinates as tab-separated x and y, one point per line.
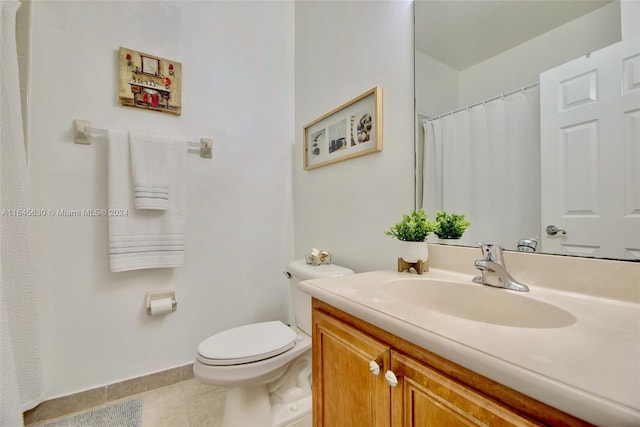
350	130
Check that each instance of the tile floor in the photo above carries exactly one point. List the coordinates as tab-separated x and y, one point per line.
187	403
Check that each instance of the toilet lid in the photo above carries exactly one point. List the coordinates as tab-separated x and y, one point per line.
247	343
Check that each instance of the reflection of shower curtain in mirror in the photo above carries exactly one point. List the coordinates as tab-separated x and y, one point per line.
484	162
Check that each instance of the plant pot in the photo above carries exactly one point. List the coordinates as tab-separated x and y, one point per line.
414	251
443	241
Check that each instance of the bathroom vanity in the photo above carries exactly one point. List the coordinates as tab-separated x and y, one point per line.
452	352
413	387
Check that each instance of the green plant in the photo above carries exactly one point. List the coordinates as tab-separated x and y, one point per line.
414	227
450	226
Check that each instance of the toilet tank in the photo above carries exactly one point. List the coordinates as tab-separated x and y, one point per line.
299	270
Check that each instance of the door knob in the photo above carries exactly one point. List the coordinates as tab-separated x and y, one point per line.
391	378
552	230
374	368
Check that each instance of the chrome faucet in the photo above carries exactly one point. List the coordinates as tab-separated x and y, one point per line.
493	269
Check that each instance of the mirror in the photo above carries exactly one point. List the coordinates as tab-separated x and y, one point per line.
476	59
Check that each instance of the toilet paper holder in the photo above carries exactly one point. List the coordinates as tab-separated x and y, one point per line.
160	295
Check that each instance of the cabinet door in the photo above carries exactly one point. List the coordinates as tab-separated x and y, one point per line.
345	392
425	397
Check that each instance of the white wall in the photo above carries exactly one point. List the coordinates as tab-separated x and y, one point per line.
436	83
523	64
342	50
437	86
238	73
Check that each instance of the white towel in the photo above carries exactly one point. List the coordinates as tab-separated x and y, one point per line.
149	162
141	239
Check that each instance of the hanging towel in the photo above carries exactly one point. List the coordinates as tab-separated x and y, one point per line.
140	238
149	162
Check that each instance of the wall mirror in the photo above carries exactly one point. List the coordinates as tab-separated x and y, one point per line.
528	122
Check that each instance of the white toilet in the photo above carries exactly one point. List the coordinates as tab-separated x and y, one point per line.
266	367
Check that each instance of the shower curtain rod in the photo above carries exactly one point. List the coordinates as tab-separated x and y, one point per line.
511	92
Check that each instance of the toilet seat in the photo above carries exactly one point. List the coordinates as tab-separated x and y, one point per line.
246	344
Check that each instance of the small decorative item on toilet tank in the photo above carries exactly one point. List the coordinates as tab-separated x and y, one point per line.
412	232
317	257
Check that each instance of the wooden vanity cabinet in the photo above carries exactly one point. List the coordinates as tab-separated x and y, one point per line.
430	390
345	392
425	397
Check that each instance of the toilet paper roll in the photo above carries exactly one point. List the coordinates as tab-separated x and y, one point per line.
161	306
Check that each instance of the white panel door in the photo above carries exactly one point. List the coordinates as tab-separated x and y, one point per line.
590	153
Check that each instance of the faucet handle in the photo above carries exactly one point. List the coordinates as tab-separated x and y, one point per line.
492	252
528	244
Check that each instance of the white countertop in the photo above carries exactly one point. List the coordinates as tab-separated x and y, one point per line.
589	368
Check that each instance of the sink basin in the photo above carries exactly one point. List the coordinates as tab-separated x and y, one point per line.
479	303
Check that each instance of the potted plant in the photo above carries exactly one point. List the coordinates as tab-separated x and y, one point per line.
412	233
450	226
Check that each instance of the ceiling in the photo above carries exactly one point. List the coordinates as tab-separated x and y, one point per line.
461	33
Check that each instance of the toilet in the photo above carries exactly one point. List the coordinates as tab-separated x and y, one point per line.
266	367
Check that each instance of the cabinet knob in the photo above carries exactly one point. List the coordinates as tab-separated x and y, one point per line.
374	368
391	378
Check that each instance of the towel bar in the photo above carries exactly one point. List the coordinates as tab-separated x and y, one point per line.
82	131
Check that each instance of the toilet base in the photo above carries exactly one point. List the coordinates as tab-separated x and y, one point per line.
276	404
249	406
283	415
246	406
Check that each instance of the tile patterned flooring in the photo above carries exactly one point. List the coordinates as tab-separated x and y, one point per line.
187	403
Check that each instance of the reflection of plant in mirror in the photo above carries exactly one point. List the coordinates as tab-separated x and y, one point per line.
450	226
414	227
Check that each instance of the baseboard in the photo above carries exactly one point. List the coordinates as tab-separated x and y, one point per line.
101	395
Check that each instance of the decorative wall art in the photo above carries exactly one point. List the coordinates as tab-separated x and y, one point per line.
351	130
149	82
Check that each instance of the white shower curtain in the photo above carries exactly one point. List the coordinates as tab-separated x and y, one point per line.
20	378
484	162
